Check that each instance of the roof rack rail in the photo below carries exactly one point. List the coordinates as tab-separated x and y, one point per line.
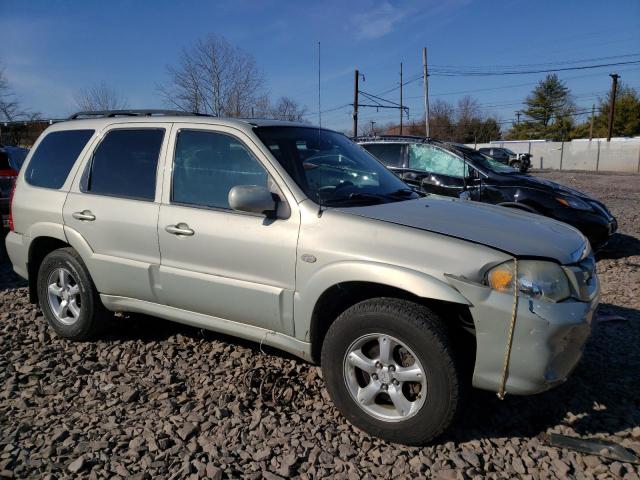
391	138
131	113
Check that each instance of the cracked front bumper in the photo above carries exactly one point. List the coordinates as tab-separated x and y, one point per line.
548	337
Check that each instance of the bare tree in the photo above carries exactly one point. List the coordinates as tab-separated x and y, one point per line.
215	78
441	120
99	97
9	106
262	107
287	108
12	111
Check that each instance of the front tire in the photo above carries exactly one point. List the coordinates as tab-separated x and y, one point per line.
390	370
67	296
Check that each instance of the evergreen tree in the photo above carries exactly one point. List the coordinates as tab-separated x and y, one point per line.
626	117
548	112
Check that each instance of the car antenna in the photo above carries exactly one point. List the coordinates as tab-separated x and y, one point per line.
320	203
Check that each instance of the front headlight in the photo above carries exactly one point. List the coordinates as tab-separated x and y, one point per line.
536	279
573	202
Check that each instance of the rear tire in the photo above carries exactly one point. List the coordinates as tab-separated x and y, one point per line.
376	392
67	296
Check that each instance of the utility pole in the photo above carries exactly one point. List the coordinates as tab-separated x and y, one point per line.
612	107
373	132
355	104
401	98
425	83
518	117
593	114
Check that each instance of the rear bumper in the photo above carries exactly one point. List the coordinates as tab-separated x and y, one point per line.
18	251
547	343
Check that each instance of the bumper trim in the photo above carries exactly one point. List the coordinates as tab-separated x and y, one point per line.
548	338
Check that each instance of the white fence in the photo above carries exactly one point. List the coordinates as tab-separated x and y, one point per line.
596	155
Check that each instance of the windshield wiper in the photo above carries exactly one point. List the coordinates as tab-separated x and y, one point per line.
359	196
405	192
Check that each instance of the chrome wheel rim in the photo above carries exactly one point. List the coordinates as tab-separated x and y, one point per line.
385	377
64	296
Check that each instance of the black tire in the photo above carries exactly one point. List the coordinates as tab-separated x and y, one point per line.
517	165
424	333
92	318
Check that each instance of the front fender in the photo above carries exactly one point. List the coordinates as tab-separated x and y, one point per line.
412	281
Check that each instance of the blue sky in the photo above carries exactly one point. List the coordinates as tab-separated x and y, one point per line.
51	49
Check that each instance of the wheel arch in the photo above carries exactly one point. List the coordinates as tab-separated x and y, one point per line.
39	248
335	297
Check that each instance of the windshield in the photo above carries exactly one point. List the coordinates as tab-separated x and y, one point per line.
331	169
482	160
508	152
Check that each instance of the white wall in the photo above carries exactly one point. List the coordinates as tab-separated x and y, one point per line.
596	155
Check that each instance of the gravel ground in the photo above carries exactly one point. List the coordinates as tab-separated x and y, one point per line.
160	400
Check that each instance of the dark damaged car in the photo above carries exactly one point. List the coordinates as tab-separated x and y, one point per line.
458	171
11	159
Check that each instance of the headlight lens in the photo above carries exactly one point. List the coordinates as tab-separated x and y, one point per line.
536	279
573	202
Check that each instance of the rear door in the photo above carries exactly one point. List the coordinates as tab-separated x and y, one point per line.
216	261
114	205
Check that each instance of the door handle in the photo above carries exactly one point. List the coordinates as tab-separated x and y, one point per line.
85	216
179	229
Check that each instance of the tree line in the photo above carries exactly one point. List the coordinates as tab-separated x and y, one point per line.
463	122
550	113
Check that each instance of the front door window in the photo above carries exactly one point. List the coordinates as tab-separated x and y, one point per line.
436	160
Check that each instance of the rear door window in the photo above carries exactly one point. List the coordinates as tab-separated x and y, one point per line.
208	165
388	153
125	164
52	161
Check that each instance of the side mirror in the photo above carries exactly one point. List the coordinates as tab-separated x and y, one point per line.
252	198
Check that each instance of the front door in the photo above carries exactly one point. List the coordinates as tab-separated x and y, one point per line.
216	261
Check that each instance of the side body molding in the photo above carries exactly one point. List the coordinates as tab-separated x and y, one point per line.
415	282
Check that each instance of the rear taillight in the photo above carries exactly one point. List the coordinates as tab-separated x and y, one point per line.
13	190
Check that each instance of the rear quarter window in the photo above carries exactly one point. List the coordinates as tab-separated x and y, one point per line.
52	161
388	153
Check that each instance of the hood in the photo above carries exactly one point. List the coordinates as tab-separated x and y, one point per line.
516	232
546	185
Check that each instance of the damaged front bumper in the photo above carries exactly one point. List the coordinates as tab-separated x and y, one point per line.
548	337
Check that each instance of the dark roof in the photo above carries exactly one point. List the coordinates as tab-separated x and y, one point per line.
392	138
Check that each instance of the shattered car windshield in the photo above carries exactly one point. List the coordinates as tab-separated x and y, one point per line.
331	169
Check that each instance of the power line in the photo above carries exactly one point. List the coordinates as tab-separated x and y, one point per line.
529	65
454	73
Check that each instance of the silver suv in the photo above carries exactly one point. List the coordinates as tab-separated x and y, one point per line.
296	237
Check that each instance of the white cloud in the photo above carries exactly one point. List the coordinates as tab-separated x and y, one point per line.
378	21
